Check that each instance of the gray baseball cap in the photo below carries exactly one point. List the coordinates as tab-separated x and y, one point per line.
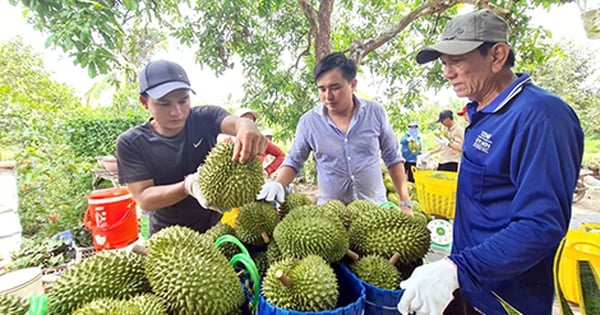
161	77
466	32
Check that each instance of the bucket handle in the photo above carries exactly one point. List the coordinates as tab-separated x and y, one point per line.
87	220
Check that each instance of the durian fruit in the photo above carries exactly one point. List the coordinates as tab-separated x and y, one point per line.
385	232
377	271
273	253
340	210
261	260
412	191
191	275
304	232
13	305
104	306
226	183
144	304
107	274
292	201
255	223
307	285
359	207
218	230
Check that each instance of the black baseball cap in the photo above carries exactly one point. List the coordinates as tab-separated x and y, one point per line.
445	114
161	77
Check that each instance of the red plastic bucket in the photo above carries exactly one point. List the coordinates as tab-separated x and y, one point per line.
111	218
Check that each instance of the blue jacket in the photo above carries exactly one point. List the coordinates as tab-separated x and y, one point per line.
521	158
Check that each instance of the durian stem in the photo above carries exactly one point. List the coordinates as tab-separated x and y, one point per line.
265	237
140	250
353	255
394	259
285	280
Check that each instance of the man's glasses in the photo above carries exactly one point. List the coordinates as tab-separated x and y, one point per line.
413	127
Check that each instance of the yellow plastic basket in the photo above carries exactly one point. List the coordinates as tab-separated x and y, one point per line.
436	191
580	244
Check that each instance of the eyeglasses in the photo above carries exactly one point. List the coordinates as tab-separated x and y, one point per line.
413	127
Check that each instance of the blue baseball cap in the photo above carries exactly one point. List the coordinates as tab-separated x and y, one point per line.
161	77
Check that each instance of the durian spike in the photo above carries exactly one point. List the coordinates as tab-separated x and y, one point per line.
140	250
353	255
394	259
285	280
265	237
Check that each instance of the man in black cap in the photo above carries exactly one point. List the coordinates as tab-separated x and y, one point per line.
158	160
520	161
450	144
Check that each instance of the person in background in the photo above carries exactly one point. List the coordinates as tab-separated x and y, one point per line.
450	144
463	113
348	137
159	159
410	146
273	153
520	162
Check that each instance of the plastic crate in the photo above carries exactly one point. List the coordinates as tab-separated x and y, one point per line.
83	253
436	191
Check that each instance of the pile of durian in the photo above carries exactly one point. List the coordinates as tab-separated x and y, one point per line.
294	246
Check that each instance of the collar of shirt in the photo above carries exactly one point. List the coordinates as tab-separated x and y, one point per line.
504	97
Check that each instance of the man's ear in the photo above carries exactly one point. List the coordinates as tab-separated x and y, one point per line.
499	53
144	101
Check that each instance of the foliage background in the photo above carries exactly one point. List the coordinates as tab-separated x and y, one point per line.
53	138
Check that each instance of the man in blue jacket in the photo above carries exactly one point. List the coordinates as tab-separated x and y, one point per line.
521	157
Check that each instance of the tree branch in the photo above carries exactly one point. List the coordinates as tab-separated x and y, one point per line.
359	50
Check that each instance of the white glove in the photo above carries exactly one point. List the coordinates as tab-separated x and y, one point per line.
192	188
442	141
271	191
429	289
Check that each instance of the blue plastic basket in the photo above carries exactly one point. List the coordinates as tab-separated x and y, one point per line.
350	302
380	301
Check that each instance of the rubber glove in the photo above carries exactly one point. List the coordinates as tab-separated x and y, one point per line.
442	141
192	188
272	191
429	289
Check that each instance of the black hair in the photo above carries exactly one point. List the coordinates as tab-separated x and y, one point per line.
336	60
485	48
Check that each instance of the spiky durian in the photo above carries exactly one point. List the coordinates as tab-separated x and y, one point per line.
191	276
13	305
307	230
107	274
387	231
309	284
377	271
255	223
340	210
292	201
218	230
226	183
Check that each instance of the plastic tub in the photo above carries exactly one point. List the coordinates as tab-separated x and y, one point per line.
22	283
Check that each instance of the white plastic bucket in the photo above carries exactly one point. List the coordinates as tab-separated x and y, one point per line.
22	283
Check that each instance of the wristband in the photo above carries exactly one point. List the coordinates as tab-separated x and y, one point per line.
407	203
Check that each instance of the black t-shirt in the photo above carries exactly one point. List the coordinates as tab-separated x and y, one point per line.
144	154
